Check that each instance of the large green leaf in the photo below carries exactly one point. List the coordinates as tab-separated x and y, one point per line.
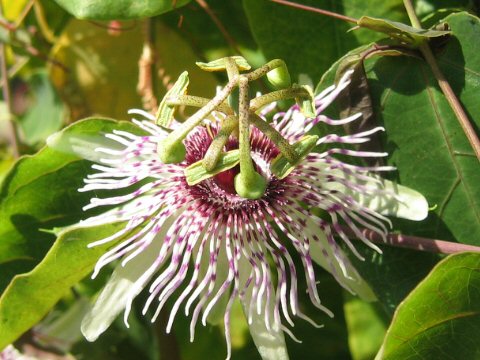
118	9
30	296
428	147
440	319
309	42
424	137
40	192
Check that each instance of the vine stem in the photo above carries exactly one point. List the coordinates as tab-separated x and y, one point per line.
415	242
316	10
228	38
146	66
7	97
444	84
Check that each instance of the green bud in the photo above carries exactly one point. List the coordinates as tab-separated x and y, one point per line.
250	187
279	77
171	153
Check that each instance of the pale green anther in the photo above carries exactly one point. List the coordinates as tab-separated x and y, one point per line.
215	149
280	167
166	112
171	153
219	64
307	104
280	77
196	172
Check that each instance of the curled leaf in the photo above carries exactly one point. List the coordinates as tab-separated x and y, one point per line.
405	33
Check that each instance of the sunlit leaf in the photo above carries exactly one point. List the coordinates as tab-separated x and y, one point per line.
366	327
67	262
441	318
118	9
41	192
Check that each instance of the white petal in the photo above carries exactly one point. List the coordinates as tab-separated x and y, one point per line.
397	200
269	342
81	145
339	266
123	286
403	202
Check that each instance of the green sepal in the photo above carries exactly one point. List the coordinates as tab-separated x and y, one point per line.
196	173
280	77
307	105
280	166
405	33
165	112
220	65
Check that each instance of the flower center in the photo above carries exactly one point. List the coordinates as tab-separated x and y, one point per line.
224	180
220	189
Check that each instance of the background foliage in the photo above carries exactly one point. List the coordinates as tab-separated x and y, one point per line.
67	60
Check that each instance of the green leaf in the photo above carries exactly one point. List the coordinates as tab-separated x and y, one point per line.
429	149
45	115
425	140
404	33
13	9
309	42
30	296
41	192
440	319
366	327
118	9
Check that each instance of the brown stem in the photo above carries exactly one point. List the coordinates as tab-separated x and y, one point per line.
219	25
7	97
24	13
444	85
146	65
320	11
415	242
